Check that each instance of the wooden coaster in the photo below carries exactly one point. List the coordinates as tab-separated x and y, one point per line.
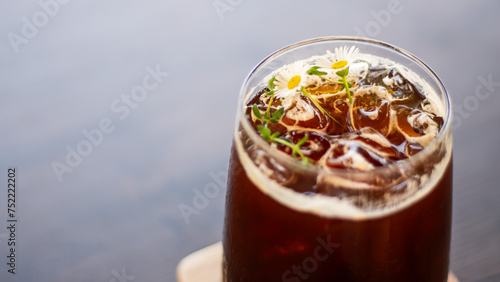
205	266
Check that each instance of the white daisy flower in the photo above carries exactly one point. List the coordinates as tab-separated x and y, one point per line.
342	59
290	80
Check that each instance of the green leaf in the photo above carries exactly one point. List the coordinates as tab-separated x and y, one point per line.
256	111
264	132
275	134
277	115
343	73
269	92
271	85
315	71
303	140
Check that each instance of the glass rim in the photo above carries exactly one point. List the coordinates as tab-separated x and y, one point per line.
290	162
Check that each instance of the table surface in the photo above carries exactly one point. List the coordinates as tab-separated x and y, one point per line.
102	175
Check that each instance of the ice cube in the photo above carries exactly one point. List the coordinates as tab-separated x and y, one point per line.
362	150
271	168
371	138
338	107
353	155
305	114
283	174
416	125
401	89
358	71
315	146
371	108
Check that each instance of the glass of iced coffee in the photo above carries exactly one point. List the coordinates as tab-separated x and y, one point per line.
341	167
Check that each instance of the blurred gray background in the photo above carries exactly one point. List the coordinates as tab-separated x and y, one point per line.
116	113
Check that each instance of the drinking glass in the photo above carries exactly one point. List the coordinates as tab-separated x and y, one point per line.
286	221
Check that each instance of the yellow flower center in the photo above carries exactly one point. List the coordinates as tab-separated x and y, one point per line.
339	65
293	82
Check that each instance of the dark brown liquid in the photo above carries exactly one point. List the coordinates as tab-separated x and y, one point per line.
372	110
267	241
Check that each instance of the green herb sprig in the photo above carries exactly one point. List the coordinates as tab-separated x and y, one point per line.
315	71
265	132
343	80
267	118
274	118
343	75
271	92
